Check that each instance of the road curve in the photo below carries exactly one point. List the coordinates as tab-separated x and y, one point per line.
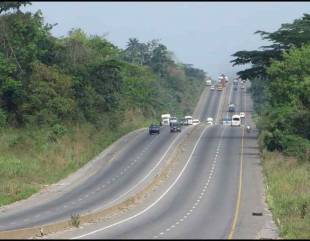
106	187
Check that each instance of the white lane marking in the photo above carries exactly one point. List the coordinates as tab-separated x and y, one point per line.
162	233
153	204
168	229
181	220
172	226
177	223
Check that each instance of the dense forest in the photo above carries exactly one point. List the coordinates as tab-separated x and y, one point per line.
63	100
84	78
280	86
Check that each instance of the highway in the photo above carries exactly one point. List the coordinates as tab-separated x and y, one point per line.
201	199
134	163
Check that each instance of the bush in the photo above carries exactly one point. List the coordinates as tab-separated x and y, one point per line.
296	146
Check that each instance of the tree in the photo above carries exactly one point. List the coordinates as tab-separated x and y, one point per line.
6	6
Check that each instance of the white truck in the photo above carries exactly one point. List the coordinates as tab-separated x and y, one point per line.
165	119
209	82
188	120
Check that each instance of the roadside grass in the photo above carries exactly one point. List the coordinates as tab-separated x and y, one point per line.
30	158
288	193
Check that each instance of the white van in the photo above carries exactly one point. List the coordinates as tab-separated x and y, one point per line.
188	120
236	120
165	119
195	122
209	82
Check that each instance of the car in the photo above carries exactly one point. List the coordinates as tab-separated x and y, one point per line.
175	127
242	114
231	108
210	120
196	121
227	121
242	86
154	129
212	87
182	122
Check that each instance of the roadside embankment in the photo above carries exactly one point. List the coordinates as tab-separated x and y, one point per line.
288	193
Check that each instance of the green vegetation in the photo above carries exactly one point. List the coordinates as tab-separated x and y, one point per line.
63	100
280	87
288	194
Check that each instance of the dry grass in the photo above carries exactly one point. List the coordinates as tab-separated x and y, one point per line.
288	194
29	159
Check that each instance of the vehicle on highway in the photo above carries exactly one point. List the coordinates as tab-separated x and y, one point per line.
227	121
188	120
210	120
182	122
219	87
242	86
235	120
248	129
165	119
242	114
208	82
231	108
154	129
212	87
173	120
175	127
235	82
196	121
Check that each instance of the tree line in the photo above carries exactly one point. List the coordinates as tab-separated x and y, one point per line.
280	86
45	80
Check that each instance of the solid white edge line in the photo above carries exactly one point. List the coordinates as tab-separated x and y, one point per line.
178	137
153	204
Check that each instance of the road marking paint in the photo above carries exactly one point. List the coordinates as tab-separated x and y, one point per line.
162	233
185	216
65	206
239	192
153	204
188	213
172	226
155	236
177	223
181	220
190	210
167	229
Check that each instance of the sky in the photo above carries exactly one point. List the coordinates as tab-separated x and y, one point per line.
204	34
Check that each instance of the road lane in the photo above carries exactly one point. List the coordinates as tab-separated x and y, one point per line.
106	185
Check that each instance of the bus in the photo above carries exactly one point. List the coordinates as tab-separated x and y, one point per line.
235	120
